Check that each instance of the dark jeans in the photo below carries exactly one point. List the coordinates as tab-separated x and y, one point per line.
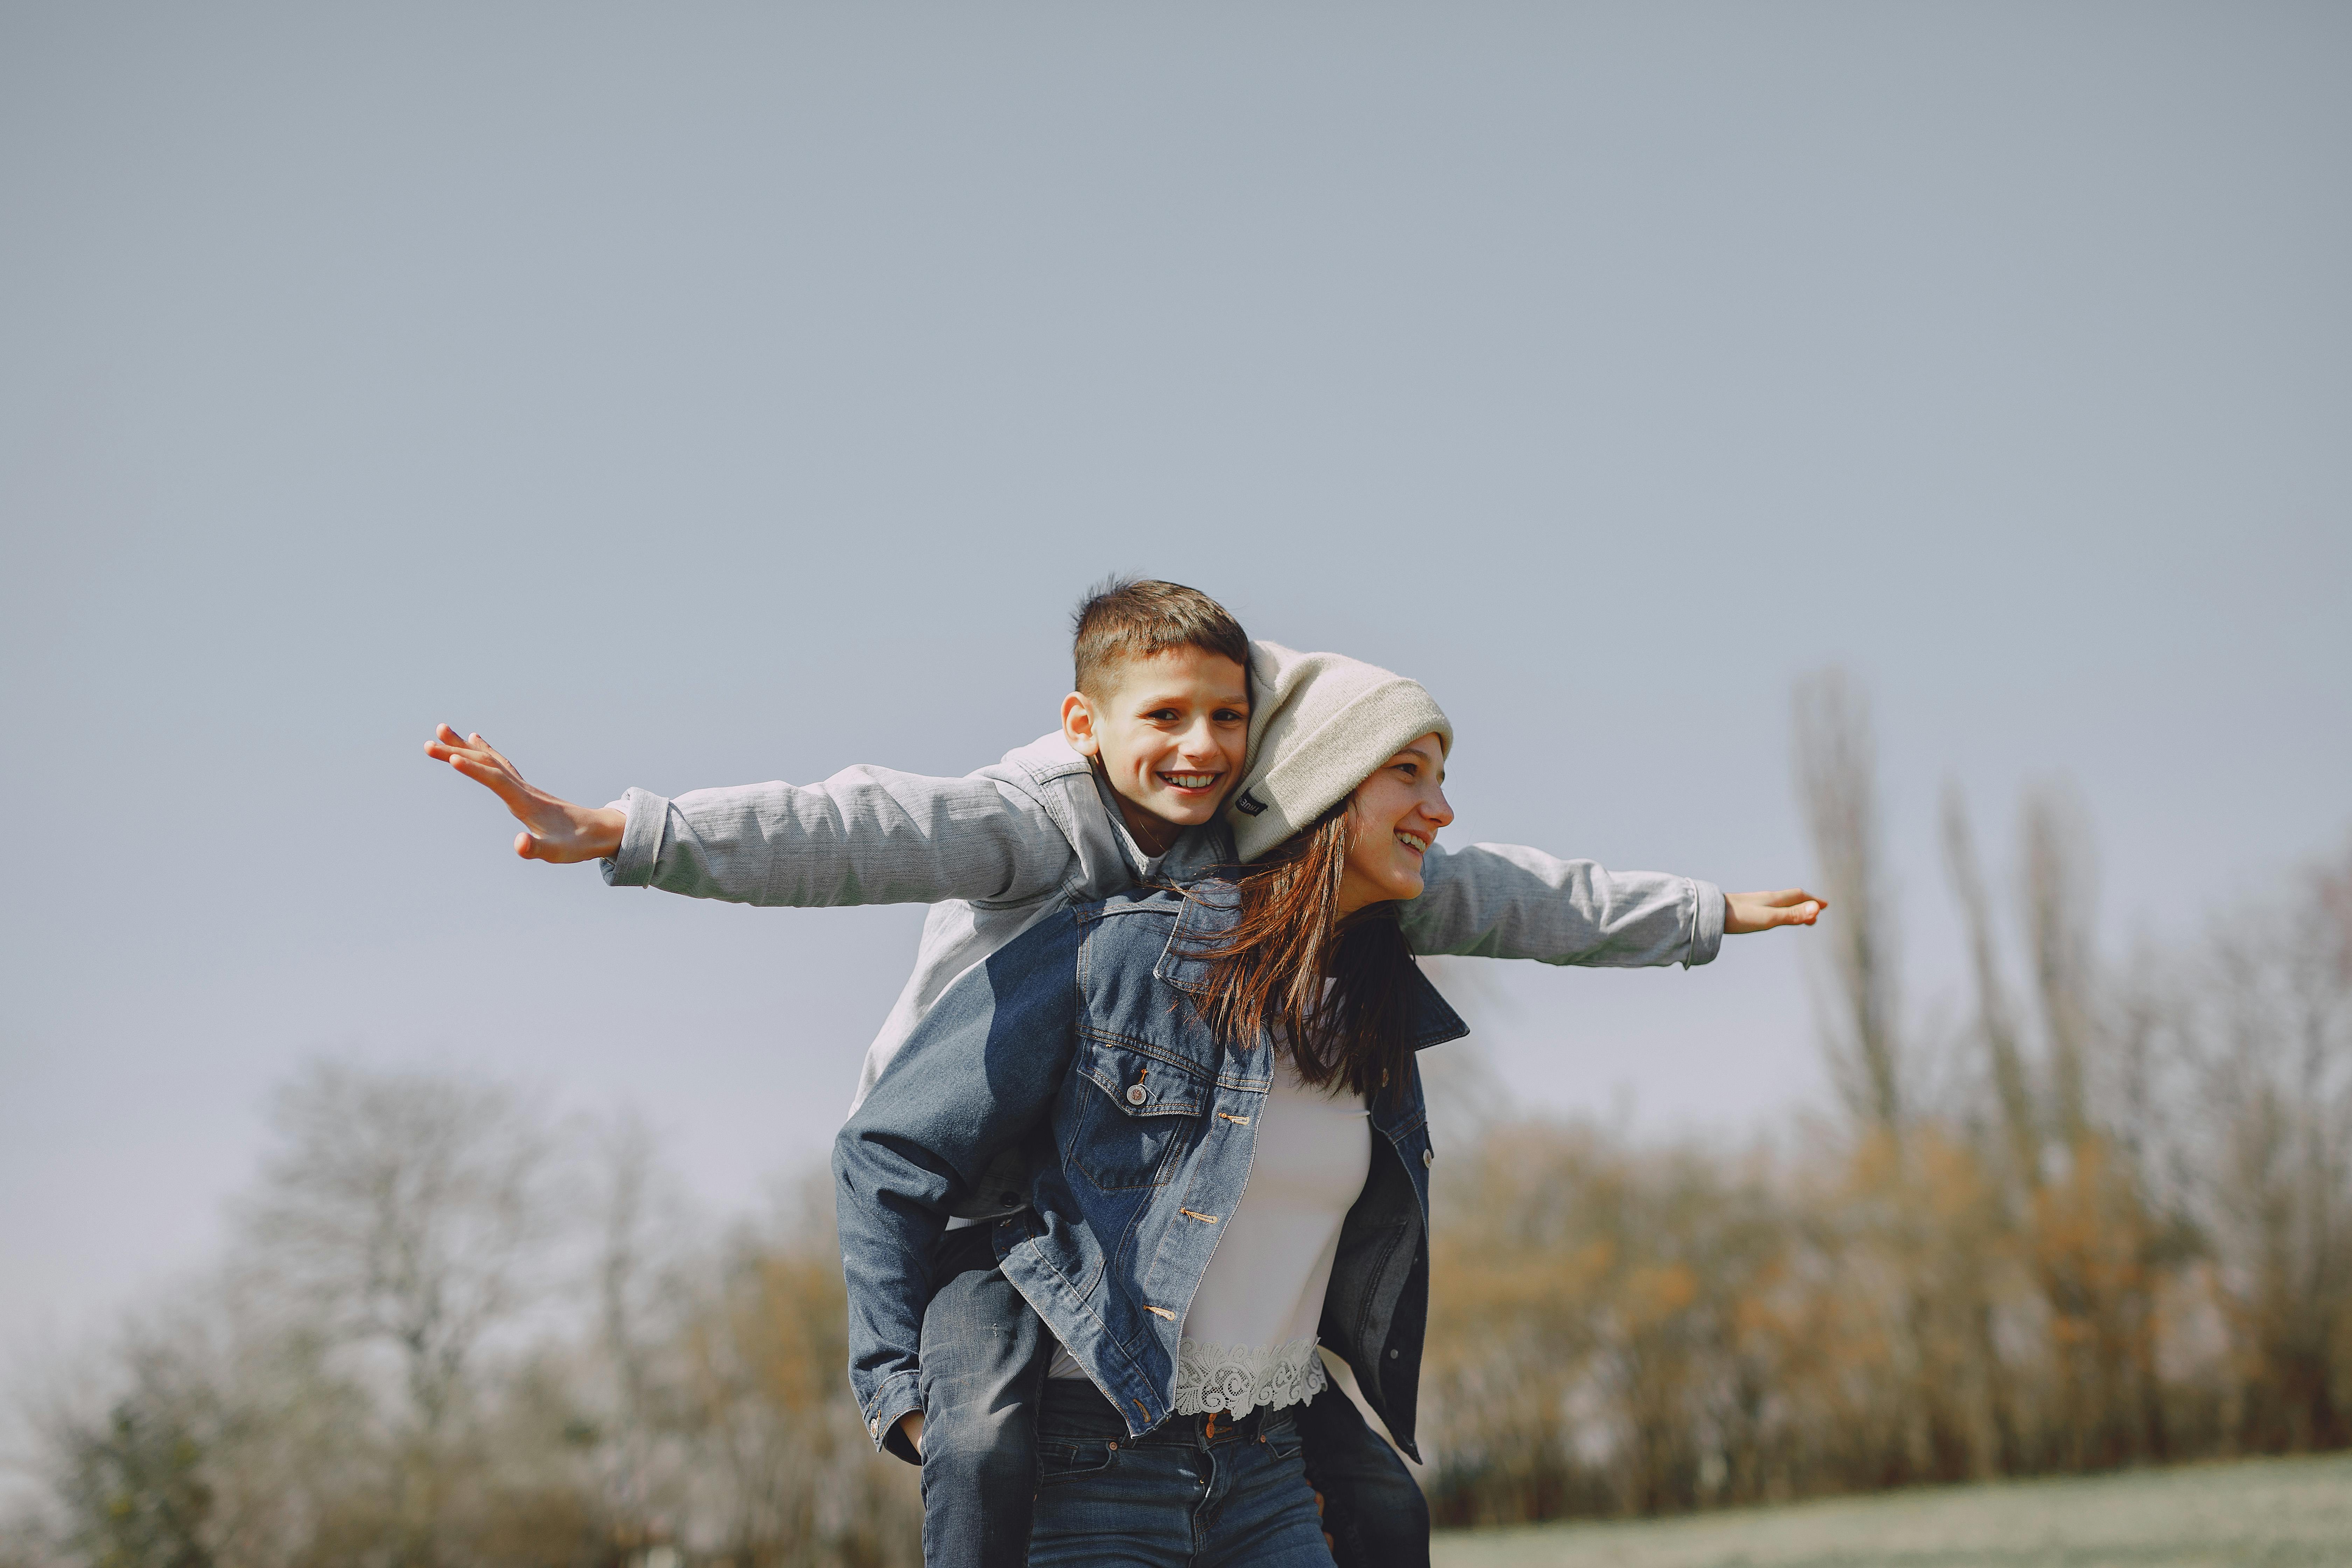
1374	1509
1186	1494
985	1356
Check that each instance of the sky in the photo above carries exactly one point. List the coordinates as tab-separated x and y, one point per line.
697	396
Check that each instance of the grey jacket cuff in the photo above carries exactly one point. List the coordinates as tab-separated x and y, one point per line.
1707	923
640	840
899	1393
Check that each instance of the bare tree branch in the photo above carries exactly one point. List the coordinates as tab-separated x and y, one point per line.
1837	781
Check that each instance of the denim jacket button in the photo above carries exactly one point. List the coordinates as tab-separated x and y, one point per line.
1136	1094
1428	1158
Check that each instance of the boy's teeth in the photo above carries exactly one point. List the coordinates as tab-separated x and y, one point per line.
1189	780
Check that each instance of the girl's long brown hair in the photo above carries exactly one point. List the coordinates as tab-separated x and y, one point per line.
1266	975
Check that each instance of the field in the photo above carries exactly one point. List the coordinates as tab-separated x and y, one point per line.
2274	1513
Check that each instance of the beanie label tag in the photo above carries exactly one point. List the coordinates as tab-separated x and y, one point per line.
1249	805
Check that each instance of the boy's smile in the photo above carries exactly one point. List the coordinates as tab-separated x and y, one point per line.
1170	735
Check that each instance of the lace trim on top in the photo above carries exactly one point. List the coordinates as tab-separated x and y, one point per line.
1239	1379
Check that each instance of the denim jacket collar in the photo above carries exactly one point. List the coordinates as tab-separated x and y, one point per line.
1212	905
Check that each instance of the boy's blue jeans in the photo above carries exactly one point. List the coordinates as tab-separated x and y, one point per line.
985	1356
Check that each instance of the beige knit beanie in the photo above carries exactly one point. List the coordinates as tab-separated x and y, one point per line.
1319	723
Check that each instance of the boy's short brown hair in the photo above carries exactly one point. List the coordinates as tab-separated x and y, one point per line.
1124	619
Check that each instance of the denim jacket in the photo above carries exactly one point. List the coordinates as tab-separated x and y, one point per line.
999	848
1080	1042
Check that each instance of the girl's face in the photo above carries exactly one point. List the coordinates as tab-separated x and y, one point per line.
1392	819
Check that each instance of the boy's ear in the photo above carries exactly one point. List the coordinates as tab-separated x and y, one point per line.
1078	725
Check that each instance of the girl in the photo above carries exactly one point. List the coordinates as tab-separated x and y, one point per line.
1217	1087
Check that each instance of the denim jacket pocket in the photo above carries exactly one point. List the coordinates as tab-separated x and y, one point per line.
1135	1110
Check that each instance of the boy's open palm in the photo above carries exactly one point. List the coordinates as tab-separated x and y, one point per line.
1746	913
554	830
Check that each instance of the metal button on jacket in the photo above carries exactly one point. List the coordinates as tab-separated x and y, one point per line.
1135	1094
1428	1158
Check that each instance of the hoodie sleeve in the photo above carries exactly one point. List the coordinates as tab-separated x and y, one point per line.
865	836
1505	900
976	1075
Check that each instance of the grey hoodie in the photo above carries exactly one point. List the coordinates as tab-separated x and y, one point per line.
994	850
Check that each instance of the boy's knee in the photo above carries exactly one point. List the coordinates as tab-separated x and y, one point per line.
981	1447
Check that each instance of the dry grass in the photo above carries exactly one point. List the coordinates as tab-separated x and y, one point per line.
2265	1513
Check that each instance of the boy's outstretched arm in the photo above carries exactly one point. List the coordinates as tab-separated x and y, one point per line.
865	836
1747	912
1505	900
554	830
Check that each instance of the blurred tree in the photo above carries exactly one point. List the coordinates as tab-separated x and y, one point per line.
2272	1047
1837	784
411	1213
134	1487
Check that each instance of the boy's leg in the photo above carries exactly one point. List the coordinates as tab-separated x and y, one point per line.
985	1356
1372	1507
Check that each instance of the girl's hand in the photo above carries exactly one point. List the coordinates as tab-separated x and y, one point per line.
1744	912
553	830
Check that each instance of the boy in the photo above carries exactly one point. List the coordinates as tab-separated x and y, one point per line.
1131	786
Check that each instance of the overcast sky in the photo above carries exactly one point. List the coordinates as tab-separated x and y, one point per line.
697	396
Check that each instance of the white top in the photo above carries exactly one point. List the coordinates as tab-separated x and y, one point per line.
1249	1337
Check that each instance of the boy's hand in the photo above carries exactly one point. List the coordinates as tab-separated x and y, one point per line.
1744	912
910	1426
554	830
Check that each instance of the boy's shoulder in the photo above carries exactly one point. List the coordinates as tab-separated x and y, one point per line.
1048	760
1058	784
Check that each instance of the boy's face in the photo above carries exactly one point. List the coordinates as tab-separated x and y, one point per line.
1170	733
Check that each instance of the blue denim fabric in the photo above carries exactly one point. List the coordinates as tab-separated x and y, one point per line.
984	1359
1180	1496
1373	1510
1080	1039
